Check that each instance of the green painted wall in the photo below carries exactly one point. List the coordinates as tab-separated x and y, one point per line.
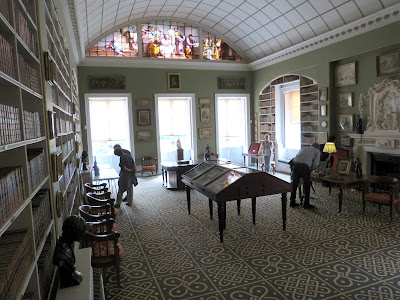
320	66
144	83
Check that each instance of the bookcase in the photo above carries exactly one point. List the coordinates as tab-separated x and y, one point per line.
308	111
308	108
36	88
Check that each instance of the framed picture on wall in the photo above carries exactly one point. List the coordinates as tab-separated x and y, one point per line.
345	100
205	133
324	110
144	117
205	115
143	136
323	94
345	75
345	123
174	81
388	63
322	137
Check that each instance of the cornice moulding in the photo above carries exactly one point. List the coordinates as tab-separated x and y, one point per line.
369	23
162	64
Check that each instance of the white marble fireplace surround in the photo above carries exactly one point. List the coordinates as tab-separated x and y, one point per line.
382	133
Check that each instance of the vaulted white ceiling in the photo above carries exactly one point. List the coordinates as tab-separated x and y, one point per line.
256	29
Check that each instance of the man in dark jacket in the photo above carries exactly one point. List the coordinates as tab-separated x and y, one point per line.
306	160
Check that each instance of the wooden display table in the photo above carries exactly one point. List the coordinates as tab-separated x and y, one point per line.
172	172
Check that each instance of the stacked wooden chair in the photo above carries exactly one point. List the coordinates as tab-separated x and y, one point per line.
101	232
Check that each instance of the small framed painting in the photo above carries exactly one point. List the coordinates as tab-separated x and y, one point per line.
323	94
144	117
345	75
205	133
142	102
204	101
143	136
324	110
388	63
174	81
345	100
322	137
345	123
205	115
343	166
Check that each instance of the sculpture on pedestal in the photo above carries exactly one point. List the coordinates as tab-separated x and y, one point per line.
73	229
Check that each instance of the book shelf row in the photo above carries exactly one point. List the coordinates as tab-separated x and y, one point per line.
41	210
59	99
309	139
12	191
15	257
37	167
29	75
25	31
10	128
32	125
7	58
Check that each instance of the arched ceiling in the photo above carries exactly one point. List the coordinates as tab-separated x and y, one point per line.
255	28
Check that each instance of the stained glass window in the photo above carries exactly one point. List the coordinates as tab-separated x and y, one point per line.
170	40
121	43
216	49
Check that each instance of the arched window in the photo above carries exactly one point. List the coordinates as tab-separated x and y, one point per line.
164	39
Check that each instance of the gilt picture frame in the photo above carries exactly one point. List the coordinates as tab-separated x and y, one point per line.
205	133
345	75
345	122
144	117
388	63
343	166
345	100
174	81
205	115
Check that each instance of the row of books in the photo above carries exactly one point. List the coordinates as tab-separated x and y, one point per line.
30	76
70	198
309	128
268	110
309	107
68	171
267	127
309	139
30	9
7	58
61	82
56	30
5	10
310	89
46	269
15	257
32	126
36	167
12	191
309	97
60	100
26	33
309	118
267	119
41	214
10	128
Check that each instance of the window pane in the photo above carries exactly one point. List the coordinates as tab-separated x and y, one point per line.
217	49
292	120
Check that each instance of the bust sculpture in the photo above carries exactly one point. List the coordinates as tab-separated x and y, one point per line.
73	229
207	153
178	144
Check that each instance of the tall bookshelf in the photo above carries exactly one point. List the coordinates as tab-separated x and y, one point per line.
32	93
308	111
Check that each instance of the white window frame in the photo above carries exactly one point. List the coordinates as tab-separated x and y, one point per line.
130	119
193	122
248	120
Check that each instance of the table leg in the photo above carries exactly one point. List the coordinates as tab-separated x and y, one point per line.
340	198
210	204
221	221
162	173
224	215
253	209
188	197
244	160
284	203
238	206
257	162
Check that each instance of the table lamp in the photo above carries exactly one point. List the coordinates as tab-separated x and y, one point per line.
329	148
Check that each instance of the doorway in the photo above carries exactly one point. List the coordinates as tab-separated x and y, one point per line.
175	117
109	122
232	126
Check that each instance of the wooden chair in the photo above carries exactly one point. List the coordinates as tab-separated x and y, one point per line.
95	188
100	218
98	199
149	164
106	250
382	190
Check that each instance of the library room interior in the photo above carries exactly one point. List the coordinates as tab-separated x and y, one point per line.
232	149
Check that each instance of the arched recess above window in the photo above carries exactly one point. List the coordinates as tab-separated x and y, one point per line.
289	113
164	39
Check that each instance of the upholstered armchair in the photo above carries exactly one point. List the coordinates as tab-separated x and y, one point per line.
149	164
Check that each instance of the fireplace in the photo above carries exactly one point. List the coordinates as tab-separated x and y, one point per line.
382	165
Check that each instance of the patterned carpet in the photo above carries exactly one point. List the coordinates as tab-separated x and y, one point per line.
169	254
